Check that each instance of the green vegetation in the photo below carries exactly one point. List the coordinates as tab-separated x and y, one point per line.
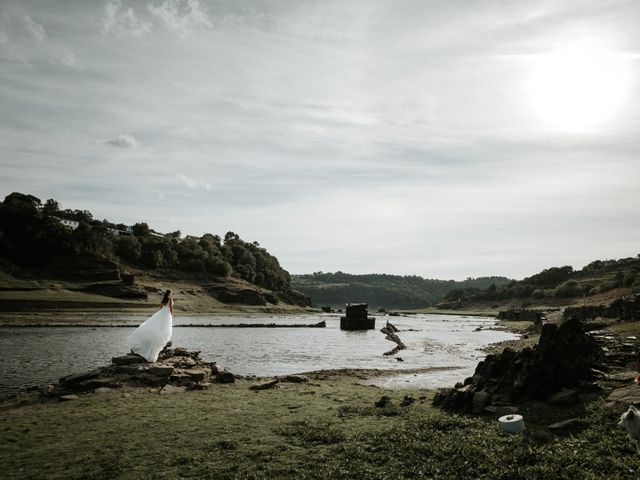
564	282
325	430
381	290
32	235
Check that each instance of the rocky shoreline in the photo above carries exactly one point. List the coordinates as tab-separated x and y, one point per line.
570	365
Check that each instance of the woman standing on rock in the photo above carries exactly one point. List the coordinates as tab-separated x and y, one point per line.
150	338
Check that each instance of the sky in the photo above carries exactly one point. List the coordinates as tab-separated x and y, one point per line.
446	139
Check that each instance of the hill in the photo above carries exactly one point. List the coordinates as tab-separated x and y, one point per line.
382	290
599	282
49	255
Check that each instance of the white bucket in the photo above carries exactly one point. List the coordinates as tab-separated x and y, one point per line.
511	423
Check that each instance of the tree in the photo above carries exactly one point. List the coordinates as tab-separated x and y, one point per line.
129	249
140	230
51	207
151	257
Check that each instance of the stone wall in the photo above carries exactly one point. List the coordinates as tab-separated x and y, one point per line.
626	309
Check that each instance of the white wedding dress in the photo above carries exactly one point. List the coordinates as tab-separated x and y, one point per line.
149	339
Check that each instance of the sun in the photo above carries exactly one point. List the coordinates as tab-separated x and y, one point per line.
579	88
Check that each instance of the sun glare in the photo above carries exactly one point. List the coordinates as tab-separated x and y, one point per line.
579	88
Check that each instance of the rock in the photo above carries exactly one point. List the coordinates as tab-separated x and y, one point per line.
571	422
181	362
128	359
264	385
80	377
225	377
296	379
201	386
94	383
407	400
170	389
479	401
196	374
499	411
161	370
629	395
563	358
100	390
384	401
66	398
180	379
564	398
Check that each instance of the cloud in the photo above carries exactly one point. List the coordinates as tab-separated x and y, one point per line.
124	140
181	16
193	183
34	29
67	58
119	20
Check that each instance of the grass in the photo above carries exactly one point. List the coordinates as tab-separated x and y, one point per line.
325	430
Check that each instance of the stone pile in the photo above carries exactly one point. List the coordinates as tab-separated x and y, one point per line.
177	369
562	363
390	334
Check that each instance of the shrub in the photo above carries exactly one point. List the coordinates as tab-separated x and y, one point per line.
570	288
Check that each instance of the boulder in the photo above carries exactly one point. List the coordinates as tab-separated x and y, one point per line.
66	398
225	377
384	401
564	398
479	400
198	374
161	370
265	385
296	379
80	377
627	395
170	389
128	359
570	422
407	400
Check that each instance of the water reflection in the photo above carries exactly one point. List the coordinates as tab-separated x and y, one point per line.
34	356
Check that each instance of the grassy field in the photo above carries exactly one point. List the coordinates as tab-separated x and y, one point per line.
328	428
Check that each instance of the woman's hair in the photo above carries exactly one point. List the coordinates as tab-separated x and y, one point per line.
165	299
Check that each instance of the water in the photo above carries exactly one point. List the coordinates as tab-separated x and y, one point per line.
447	345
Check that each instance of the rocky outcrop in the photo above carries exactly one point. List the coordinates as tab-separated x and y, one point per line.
118	290
293	297
177	369
244	296
563	359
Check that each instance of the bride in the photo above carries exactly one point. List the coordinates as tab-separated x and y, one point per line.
150	338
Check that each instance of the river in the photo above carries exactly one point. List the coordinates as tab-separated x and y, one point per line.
442	349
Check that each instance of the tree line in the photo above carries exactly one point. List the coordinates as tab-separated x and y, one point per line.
382	290
560	282
32	235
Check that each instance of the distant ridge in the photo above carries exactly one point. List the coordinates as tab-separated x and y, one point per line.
382	290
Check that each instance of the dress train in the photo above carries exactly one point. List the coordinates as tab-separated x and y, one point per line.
150	338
